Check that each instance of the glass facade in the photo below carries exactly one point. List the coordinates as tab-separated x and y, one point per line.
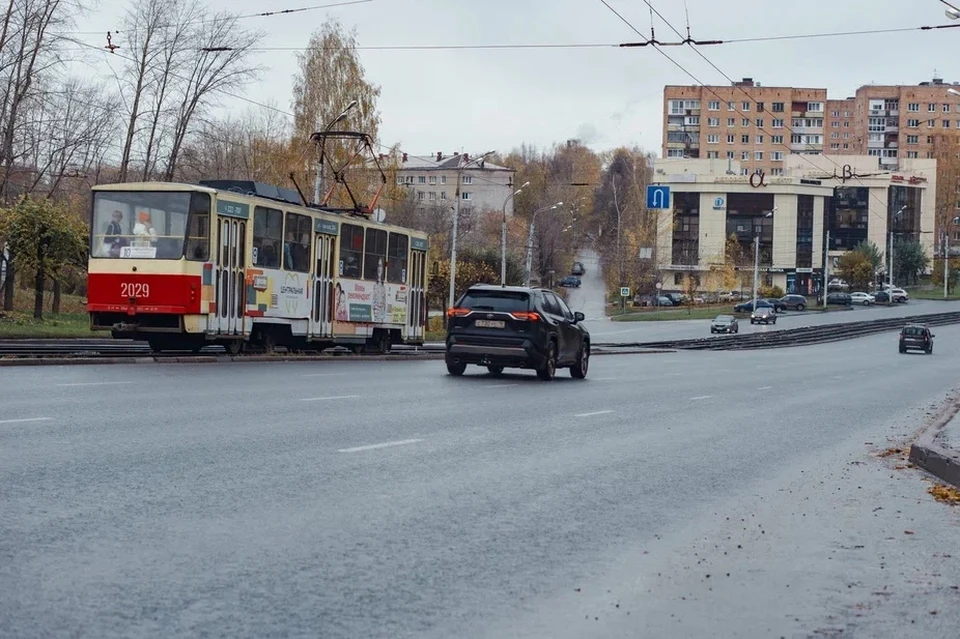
686	228
747	217
849	217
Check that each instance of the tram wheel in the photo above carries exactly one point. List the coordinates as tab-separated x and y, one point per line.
233	346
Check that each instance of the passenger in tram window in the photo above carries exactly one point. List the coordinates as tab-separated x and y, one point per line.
268	255
113	235
351	268
143	229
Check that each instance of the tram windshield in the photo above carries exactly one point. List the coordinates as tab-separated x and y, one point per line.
155	225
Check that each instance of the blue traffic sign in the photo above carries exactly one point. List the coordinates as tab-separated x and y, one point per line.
658	197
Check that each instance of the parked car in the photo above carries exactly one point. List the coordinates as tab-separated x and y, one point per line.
916	337
776	303
763	314
571	281
837	284
794	302
862	298
677	298
747	307
724	324
840	299
516	327
577	268
663	300
900	296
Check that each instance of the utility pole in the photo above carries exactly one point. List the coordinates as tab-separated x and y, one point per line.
756	268
826	269
890	271
946	262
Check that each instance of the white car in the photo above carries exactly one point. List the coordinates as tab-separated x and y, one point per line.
862	298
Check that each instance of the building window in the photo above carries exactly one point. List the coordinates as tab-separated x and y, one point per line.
777	139
731	122
835	145
713	121
443	179
468	179
421	179
745	122
421	195
929	139
835	136
731	138
777	156
466	195
913	139
433	179
913	107
713	155
686	228
744	155
759	107
946	108
912	154
945	123
713	105
692	120
433	195
731	106
759	139
731	155
674	153
744	171
846	146
443	195
815	107
676	107
777	107
745	106
931	108
759	123
913	124
804	231
776	171
835	114
778	123
758	155
835	125
745	139
408	179
713	139
846	125
399	179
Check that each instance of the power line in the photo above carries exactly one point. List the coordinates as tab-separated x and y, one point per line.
264	14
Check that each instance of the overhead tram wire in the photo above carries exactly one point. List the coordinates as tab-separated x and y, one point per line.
785	127
716	95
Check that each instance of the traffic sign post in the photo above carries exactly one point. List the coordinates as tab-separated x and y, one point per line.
624	294
658	197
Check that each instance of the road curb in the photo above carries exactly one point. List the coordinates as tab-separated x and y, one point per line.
927	453
257	359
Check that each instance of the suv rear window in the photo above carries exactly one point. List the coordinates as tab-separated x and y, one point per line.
504	302
914	331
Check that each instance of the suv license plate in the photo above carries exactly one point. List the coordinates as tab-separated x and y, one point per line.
489	323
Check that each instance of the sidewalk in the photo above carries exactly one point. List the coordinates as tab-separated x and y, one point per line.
938	449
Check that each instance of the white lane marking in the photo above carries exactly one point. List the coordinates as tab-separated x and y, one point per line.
599	412
674	374
95	384
26	419
694	399
327	399
838	377
320	375
765	388
502	385
357	449
604	379
762	367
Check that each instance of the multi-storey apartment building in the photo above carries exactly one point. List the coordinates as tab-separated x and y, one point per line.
753	125
483	185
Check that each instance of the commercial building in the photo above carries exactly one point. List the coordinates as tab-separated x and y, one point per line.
483	185
792	212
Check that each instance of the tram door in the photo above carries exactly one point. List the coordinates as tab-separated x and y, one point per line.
417	307
321	315
229	276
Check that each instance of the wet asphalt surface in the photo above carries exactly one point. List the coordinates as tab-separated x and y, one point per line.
369	499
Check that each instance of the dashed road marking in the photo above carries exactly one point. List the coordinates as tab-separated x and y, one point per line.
320	375
358	449
95	384
502	385
695	399
327	399
765	388
26	419
598	412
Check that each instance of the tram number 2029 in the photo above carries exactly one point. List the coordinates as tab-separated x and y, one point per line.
134	289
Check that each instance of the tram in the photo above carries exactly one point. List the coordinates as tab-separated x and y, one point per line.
247	266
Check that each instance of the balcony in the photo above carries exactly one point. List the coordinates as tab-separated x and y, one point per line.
888	162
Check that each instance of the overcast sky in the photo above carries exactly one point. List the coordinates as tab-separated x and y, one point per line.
476	100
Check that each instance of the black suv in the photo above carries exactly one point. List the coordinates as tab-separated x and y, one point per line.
917	337
516	327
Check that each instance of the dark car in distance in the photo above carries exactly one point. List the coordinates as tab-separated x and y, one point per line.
794	302
747	307
776	303
516	327
570	281
916	337
577	268
840	299
724	324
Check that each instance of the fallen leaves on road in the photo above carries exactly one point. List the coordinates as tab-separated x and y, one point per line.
945	494
890	452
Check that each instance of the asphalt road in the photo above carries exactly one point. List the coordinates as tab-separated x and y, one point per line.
691	494
589	299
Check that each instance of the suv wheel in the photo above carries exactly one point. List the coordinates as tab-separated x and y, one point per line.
800	307
496	371
549	368
456	368
579	370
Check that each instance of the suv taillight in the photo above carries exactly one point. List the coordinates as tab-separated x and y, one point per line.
458	312
524	316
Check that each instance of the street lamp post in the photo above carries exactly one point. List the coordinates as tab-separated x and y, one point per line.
456	219
890	271
503	235
318	182
756	259
533	221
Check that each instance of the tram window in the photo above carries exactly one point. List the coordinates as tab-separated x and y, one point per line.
397	258
296	246
198	228
267	235
375	255
351	250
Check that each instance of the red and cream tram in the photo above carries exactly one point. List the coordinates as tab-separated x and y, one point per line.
243	265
